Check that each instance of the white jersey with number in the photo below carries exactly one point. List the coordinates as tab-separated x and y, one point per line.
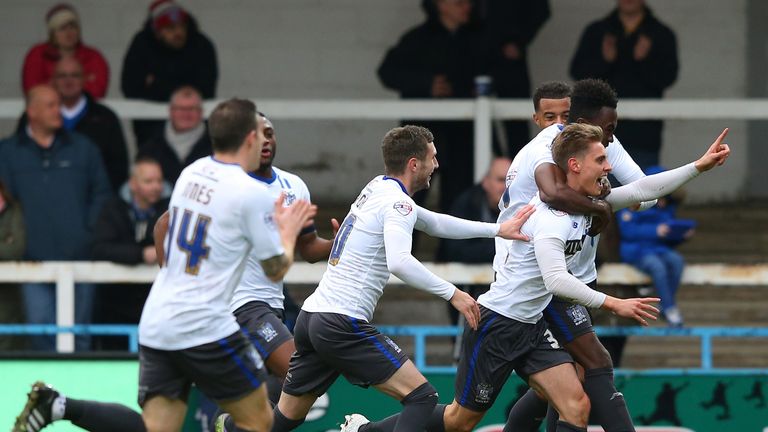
519	292
218	215
255	285
521	187
357	268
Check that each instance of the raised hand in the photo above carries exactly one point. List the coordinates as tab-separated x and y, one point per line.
510	229
638	309
716	154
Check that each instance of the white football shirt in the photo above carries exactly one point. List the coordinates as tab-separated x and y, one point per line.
357	267
519	292
217	215
521	187
255	285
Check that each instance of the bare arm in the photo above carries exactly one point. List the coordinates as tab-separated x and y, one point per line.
161	229
314	248
554	190
290	221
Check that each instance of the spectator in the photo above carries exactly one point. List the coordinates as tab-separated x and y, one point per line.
184	139
480	203
12	244
648	239
440	59
637	55
123	234
81	113
64	42
60	182
512	25
169	52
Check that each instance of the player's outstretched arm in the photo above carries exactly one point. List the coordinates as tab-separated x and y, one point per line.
664	183
451	227
158	235
554	190
400	262
638	309
314	248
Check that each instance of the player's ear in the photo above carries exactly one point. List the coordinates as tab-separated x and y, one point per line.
574	165
413	164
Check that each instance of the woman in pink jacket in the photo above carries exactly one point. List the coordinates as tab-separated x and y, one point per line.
63	41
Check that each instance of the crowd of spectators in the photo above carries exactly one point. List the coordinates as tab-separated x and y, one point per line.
68	191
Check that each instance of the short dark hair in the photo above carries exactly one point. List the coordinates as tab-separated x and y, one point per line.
574	140
589	97
551	90
230	122
403	143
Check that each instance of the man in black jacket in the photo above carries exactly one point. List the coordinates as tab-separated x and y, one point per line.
637	55
184	138
440	59
123	234
169	52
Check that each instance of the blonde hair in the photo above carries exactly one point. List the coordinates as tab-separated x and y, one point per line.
573	141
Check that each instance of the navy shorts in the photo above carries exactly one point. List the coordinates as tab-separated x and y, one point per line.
264	327
329	345
227	369
499	346
567	320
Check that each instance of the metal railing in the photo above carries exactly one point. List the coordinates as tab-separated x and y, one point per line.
421	333
65	274
482	111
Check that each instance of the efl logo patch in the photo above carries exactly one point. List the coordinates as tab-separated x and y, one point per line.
267	332
577	315
403	207
483	393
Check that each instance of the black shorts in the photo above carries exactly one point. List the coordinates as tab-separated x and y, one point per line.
263	326
567	320
329	344
499	346
227	369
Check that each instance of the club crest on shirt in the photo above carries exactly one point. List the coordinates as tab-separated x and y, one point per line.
289	198
269	220
403	207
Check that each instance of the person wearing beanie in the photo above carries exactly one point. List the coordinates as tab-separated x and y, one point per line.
64	41
168	53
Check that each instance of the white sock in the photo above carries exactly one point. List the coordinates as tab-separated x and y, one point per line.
58	407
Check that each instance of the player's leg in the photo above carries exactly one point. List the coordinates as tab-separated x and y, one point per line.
163	414
527	413
310	376
46	405
250	413
562	388
571	325
368	358
266	331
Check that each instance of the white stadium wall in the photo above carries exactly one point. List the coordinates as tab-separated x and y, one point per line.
313	49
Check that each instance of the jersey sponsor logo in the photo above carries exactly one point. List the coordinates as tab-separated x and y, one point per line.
267	332
483	393
573	246
403	207
577	314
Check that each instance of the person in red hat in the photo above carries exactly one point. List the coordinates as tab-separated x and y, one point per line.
168	53
64	41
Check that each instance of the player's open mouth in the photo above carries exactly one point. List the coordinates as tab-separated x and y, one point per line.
265	152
